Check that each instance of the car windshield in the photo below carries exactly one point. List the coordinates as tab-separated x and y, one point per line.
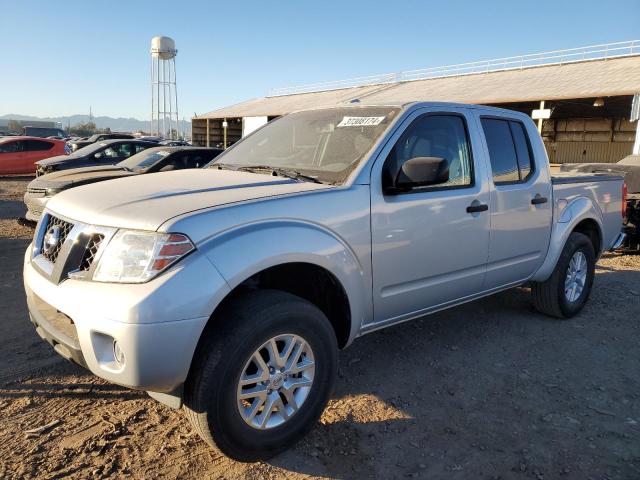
144	160
88	150
325	145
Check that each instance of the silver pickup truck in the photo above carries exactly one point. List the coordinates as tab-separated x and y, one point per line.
228	291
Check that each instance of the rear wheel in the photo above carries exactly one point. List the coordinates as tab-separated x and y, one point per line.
567	290
263	377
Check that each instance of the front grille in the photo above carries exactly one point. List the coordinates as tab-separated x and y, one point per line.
90	253
36	191
65	228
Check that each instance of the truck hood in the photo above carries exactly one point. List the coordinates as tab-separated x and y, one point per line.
145	202
79	176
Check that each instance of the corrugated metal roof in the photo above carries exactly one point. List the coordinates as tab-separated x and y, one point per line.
618	76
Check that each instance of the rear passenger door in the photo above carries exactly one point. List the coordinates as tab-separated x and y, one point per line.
36	150
520	208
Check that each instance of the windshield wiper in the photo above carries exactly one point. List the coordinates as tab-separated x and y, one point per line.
283	172
223	166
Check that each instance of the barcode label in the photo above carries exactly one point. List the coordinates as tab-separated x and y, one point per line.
360	121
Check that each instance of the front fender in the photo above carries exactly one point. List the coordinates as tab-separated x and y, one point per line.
577	210
245	250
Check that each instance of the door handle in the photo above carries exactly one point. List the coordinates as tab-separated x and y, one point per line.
477	207
538	199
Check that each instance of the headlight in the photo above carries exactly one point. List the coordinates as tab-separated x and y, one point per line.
136	257
50	192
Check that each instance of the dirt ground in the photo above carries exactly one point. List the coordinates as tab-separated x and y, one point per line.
490	390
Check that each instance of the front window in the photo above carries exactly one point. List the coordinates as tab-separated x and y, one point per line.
434	135
324	144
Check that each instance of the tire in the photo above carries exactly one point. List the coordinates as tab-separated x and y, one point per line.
211	396
549	297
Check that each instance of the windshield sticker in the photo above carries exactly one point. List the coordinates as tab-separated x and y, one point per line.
360	121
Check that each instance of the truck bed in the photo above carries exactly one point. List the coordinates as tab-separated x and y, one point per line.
559	178
603	190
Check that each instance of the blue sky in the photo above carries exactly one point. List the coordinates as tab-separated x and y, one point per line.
61	57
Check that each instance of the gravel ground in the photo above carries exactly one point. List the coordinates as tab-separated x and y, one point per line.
490	389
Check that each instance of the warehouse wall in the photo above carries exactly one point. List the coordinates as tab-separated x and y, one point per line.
588	139
216	133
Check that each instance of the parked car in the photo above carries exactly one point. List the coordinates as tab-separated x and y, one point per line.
18	155
174	143
157	159
98	137
43	132
107	152
630	168
229	290
151	138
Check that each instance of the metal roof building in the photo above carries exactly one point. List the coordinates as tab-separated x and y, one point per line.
587	92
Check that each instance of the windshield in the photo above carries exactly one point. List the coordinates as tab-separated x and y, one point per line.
326	144
88	150
144	160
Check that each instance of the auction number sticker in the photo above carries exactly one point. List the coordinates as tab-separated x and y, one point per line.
360	121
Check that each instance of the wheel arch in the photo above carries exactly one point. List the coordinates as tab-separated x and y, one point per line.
299	257
309	281
580	215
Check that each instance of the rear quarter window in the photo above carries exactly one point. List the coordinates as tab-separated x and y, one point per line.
38	146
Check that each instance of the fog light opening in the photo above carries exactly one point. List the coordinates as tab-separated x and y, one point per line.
118	354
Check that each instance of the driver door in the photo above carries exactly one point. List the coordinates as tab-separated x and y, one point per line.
428	249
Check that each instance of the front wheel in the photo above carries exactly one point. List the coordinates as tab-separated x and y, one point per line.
567	290
262	378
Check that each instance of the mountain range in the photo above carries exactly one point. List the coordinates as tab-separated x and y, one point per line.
120	124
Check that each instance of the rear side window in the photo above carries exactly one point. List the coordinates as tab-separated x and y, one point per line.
38	146
509	150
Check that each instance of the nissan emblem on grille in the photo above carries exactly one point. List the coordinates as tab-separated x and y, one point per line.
56	232
51	240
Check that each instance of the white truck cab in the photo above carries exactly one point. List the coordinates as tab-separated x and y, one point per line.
228	290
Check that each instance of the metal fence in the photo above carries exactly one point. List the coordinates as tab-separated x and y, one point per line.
555	57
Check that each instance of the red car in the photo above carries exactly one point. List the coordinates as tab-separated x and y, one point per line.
19	154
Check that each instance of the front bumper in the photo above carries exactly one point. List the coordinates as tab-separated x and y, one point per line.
156	325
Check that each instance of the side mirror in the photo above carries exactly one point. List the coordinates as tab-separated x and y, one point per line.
421	172
167	168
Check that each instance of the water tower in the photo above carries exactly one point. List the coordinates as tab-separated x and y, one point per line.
164	93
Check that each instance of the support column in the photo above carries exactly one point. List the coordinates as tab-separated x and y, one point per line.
540	119
207	133
635	117
225	124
